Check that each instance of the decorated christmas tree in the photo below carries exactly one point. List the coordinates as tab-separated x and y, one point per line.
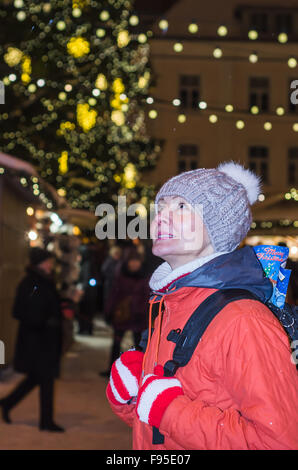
76	78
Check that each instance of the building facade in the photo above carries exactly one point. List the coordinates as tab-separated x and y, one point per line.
226	76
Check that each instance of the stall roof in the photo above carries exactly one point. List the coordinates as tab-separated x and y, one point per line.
18	168
8	161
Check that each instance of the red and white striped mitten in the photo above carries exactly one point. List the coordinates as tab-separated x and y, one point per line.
155	395
124	378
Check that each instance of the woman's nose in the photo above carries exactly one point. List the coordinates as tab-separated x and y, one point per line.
164	216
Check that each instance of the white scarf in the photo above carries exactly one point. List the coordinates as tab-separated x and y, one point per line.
164	274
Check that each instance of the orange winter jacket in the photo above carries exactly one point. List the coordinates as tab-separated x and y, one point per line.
241	384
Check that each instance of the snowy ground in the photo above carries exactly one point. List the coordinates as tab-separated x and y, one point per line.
80	404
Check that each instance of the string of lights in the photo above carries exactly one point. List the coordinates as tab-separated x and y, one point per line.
31	184
220	30
226	112
230	55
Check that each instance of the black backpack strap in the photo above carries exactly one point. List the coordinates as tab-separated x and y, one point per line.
188	339
288	317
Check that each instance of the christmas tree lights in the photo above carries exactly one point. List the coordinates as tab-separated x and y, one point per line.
76	79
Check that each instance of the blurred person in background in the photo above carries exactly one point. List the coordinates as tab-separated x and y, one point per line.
39	341
126	305
110	267
89	281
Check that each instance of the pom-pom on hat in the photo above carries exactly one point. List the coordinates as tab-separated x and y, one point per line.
225	193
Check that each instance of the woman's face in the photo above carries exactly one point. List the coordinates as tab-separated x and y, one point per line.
178	232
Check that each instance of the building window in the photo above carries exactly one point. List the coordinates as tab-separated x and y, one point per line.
258	161
259	22
189	91
188	155
293	166
259	93
267	21
283	23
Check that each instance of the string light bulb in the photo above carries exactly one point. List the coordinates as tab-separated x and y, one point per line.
222	30
163	24
240	124
30	211
134	20
76	12
254	110
229	108
21	15
100	33
32	235
280	111
104	15
202	105
178	47
152	114
292	62
61	25
253	34
282	38
253	58
213	118
176	102
267	126
217	53
142	38
193	28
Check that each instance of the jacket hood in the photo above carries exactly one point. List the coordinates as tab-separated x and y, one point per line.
239	269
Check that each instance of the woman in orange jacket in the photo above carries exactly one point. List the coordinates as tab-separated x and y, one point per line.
240	388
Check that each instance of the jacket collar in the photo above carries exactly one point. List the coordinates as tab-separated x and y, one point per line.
164	275
239	269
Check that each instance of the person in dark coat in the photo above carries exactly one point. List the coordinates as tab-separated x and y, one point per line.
39	340
108	270
126	306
